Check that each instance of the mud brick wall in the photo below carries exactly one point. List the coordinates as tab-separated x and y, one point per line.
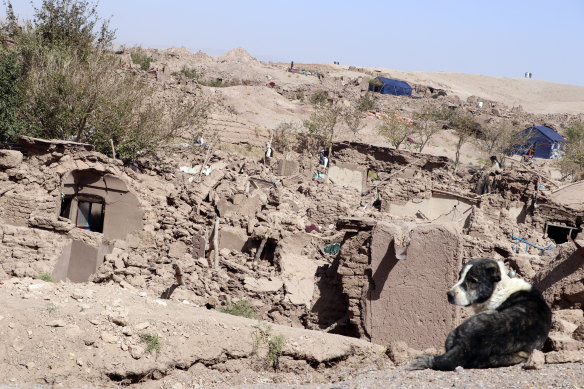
16	208
28	252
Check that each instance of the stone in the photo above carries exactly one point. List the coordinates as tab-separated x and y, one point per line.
575	316
578	334
558	341
564	356
560	325
263	285
57	323
177	249
535	361
109	337
232	238
10	159
286	167
136	351
397	351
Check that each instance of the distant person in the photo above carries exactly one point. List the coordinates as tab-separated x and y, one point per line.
323	157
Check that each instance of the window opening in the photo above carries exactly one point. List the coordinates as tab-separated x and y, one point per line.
66	207
90	216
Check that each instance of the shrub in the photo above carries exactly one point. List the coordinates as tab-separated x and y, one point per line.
319	98
46	277
366	103
190	73
241	308
139	57
152	342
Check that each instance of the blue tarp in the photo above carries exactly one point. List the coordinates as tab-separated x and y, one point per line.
546	142
391	87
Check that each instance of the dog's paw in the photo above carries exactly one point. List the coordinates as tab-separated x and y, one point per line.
421	363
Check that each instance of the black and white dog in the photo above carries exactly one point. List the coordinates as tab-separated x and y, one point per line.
512	320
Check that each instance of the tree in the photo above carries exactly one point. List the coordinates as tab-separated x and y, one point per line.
464	126
395	129
497	137
320	127
282	139
74	24
574	157
71	88
425	126
353	118
10	70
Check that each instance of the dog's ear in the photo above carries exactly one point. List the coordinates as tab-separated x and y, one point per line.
493	271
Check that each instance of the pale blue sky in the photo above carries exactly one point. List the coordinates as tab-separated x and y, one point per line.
496	38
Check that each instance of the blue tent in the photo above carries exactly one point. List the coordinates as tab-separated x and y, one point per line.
388	86
546	142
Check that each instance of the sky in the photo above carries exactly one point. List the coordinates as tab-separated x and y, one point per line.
502	38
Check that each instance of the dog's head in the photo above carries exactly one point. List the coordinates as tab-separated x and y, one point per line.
478	279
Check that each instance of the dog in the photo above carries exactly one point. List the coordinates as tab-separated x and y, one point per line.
512	319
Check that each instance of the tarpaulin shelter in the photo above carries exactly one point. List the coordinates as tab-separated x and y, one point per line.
388	86
546	142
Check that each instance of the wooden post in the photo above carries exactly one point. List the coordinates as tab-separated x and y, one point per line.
178	274
260	250
113	149
216	243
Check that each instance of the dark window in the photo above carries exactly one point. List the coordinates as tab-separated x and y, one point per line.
66	207
90	216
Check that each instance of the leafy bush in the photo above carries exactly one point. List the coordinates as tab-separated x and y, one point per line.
139	57
366	103
241	308
152	342
190	73
319	98
46	277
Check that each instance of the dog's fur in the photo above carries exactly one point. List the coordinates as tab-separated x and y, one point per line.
512	319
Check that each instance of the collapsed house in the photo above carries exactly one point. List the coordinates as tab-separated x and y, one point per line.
369	253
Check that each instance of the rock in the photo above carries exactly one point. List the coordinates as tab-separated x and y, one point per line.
57	323
398	352
177	250
119	320
109	337
10	159
127	331
136	351
536	361
564	356
263	285
211	302
141	326
575	316
559	341
561	325
578	334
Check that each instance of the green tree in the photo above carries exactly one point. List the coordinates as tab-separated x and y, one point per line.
320	127
71	88
425	126
10	71
74	24
395	129
353	119
464	127
575	148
